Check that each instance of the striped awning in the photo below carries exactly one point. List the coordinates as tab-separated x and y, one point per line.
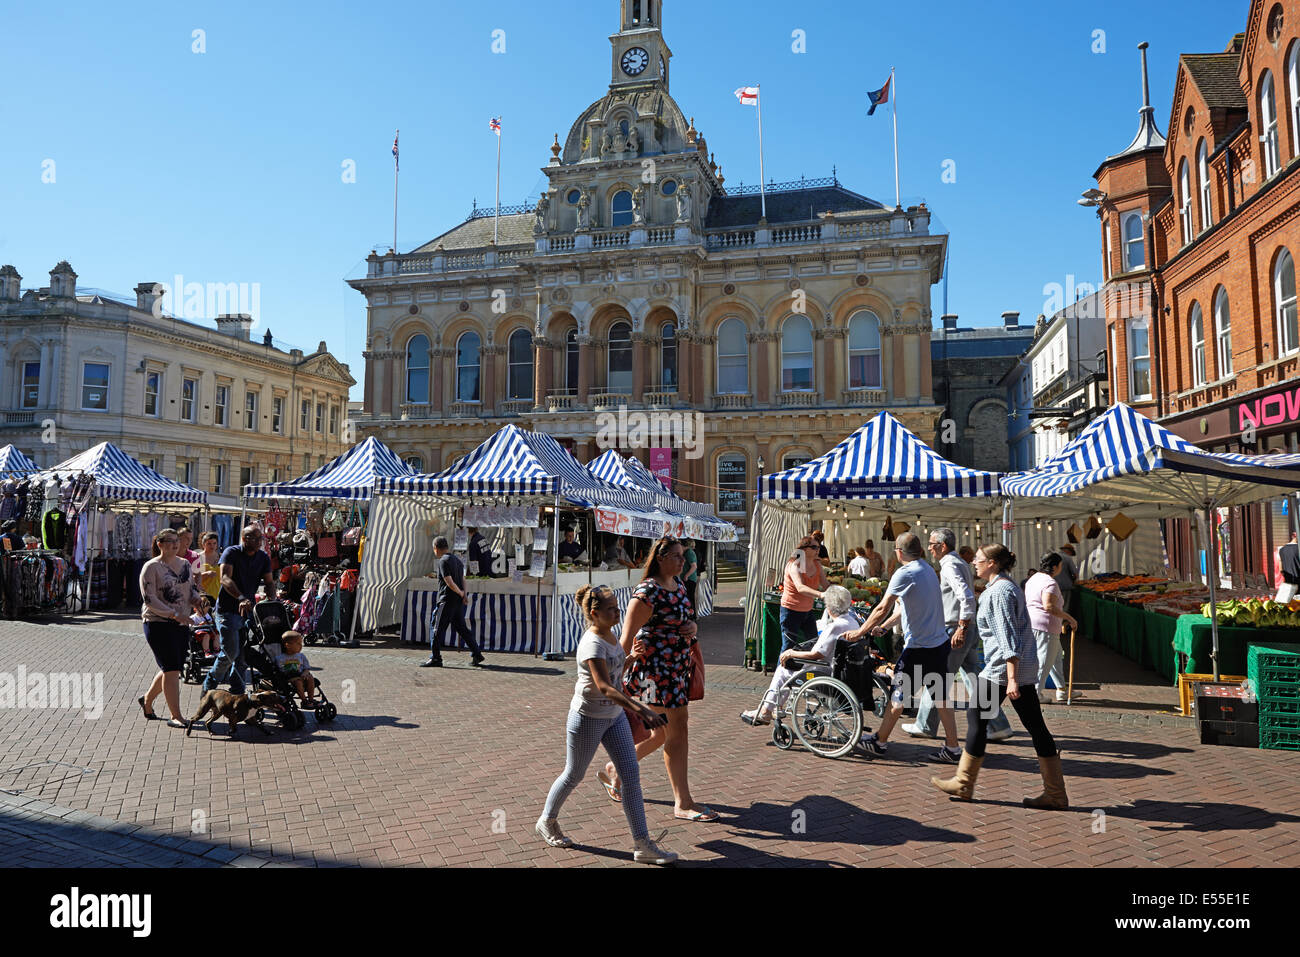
700	522
1125	459
13	462
352	475
883	460
119	477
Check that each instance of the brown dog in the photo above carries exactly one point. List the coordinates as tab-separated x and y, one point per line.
235	708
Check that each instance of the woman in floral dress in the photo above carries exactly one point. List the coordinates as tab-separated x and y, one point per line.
657	636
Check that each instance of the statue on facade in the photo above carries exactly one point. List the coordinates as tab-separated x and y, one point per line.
543	207
638	205
606	145
683	203
633	142
584	210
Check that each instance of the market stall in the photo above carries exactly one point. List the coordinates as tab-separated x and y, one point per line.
327	505
519	481
13	463
881	471
98	513
1124	461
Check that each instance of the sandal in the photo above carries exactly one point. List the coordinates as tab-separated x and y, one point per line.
148	715
176	723
700	814
612	789
752	718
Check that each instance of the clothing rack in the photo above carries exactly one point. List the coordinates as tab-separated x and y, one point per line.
37	582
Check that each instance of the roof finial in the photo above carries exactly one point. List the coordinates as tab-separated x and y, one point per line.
1146	87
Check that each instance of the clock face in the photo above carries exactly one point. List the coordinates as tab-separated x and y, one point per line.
635	61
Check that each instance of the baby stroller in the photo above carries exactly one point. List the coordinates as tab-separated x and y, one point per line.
197	661
270	622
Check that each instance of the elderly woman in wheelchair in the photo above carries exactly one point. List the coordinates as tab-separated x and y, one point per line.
817	658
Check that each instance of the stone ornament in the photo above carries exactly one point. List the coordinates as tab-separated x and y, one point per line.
683	203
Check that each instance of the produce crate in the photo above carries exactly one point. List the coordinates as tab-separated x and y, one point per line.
1187	682
1279	721
1279	706
1274	739
1274	669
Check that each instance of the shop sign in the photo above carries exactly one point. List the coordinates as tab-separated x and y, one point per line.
1280	408
661	464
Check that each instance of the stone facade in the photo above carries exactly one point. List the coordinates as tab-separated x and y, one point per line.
77	369
640	280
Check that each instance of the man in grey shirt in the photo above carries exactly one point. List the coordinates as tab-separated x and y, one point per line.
956	584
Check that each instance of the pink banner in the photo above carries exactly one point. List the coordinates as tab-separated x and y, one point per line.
661	464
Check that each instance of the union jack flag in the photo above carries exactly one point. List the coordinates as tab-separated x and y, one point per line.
396	161
495	126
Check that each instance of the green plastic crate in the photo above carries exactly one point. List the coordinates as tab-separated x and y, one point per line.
1279	721
1275	739
1279	706
1265	663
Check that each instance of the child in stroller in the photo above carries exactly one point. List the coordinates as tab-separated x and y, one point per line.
270	629
203	644
293	665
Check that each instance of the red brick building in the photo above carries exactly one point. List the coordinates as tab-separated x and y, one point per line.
1207	298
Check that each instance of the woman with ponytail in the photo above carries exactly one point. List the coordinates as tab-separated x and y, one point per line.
596	717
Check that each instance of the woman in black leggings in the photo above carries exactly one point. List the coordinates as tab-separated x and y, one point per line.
1010	671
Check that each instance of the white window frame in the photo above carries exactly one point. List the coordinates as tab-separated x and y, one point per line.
866	315
744	336
185	473
1222	333
23	384
1268	123
250	410
334	420
320	418
305	416
1140	241
1203	175
626	378
1196	341
188	412
476	365
1134	357
668	345
1293	92
1185	202
412	366
517	370
85	364
810	365
156	394
277	414
619	218
1281	305
221	406
220	473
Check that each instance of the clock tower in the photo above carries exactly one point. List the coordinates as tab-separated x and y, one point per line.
640	55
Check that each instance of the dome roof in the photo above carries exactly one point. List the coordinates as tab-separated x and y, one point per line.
667	135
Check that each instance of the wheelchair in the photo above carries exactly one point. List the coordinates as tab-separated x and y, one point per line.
826	702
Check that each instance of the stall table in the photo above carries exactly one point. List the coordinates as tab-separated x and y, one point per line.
1193	640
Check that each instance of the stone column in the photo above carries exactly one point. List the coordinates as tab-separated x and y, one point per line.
900	367
56	355
490	358
586	354
927	367
685	347
887	364
385	391
837	365
760	382
641	353
543	367
43	387
368	401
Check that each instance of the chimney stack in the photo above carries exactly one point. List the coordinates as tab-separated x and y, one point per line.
63	281
1011	320
949	321
239	325
146	295
10	284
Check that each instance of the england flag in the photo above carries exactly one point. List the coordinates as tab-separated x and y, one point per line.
748	95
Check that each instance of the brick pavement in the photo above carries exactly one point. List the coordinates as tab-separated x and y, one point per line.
451	767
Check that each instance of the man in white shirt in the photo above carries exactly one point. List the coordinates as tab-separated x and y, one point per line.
956	581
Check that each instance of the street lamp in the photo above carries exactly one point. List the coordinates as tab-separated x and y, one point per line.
1091	197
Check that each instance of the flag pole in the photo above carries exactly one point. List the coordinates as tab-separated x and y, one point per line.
898	202
397	165
496	215
762	189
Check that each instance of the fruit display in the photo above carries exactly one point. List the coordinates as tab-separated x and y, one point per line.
1256	613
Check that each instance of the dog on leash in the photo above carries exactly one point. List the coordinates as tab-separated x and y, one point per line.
235	708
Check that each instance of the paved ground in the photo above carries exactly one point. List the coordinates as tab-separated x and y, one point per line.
451	767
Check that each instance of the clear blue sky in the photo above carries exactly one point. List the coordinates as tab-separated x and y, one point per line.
226	166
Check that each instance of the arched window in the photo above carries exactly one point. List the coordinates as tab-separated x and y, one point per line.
733	357
1134	256
1293	95
796	355
415	461
417	370
1185	202
1268	123
620	208
1139	358
619	371
1203	182
1284	297
571	362
1197	337
521	364
668	355
864	351
1222	334
467	367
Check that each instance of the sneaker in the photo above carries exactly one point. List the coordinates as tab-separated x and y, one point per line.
946	755
549	831
916	731
872	745
647	852
1002	734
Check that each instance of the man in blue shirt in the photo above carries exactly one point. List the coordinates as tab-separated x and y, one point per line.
243	569
450	609
924	661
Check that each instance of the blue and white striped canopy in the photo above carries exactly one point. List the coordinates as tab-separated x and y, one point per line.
1125	459
517	464
630	473
120	478
14	463
880	461
350	476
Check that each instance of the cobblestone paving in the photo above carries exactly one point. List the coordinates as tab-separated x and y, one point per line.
451	766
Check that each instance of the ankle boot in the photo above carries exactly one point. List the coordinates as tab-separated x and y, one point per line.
962	784
1053	796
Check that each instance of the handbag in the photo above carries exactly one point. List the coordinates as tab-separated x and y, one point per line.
1093	526
639	731
352	537
327	546
887	533
1074	533
697	674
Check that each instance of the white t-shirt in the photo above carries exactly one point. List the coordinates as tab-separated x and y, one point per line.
587	699
858	567
829	631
